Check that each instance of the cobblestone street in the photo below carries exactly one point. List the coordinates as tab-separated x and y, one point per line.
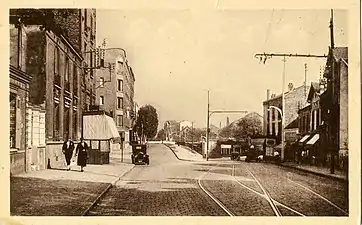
170	187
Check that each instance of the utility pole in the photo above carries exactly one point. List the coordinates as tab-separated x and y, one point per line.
209	113
263	57
305	80
333	114
192	135
207	125
283	112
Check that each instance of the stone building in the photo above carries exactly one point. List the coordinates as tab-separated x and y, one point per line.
18	99
55	55
295	99
115	93
309	123
334	103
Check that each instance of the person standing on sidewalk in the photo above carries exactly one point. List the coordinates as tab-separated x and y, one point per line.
82	154
68	148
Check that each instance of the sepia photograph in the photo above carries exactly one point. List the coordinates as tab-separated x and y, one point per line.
176	112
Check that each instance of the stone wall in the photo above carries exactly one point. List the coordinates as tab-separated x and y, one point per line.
54	155
17	162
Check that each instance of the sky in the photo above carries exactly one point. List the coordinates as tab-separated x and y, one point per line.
177	55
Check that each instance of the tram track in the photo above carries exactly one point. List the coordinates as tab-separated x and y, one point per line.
274	205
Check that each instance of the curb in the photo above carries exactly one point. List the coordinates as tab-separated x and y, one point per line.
119	176
316	173
177	156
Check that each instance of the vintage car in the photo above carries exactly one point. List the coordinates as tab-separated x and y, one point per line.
139	154
235	156
253	154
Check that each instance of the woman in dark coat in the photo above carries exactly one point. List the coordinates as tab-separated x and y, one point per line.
68	148
82	154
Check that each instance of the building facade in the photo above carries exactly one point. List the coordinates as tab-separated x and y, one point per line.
295	98
115	93
334	103
184	124
54	56
18	99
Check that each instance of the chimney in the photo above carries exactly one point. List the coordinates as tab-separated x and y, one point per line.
267	94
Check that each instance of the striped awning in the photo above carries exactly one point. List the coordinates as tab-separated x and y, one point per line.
304	138
313	140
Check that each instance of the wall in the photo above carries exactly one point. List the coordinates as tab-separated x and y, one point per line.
17	162
343	102
54	154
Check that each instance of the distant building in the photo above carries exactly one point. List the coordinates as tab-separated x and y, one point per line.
295	99
115	93
184	124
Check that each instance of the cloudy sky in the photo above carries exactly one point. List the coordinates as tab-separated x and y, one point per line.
177	55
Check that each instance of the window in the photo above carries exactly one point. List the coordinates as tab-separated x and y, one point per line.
101	100
119	120
120	85
74	125
66	123
56	61
85	20
56	121
120	103
85	46
12	120
101	82
67	68
75	80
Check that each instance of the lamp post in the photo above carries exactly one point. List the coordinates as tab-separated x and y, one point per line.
283	134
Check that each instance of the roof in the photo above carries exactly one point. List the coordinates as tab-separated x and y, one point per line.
285	93
315	88
341	53
293	124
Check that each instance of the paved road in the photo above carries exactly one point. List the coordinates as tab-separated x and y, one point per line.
169	187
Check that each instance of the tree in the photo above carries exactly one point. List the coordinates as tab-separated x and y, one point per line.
161	135
147	122
249	126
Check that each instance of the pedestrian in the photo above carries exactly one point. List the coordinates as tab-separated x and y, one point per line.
82	154
67	149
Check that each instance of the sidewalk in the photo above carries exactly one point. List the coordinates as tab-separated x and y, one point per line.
58	192
185	153
320	171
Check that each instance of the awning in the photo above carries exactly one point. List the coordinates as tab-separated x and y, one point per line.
304	139
99	127
313	140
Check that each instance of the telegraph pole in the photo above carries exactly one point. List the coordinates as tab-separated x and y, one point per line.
209	113
207	125
332	115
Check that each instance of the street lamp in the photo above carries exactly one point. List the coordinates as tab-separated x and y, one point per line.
283	134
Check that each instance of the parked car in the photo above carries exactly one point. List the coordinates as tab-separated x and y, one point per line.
235	156
139	154
253	154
